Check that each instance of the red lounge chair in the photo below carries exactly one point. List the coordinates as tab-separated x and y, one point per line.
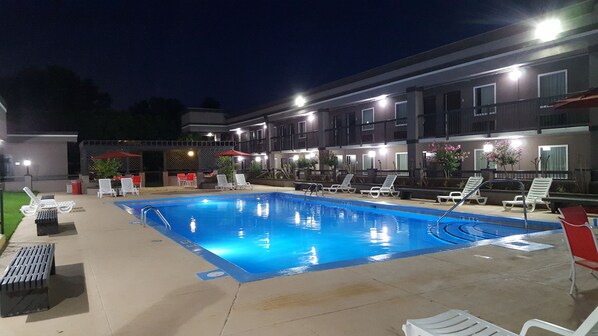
190	180
583	247
181	179
136	181
575	215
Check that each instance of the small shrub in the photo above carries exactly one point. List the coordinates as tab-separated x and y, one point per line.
105	168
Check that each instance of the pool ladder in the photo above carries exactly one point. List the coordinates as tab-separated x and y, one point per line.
521	187
148	208
314	187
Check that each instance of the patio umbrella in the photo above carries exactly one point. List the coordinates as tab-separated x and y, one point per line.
586	99
232	152
117	155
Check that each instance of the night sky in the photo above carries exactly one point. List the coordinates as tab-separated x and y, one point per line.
242	53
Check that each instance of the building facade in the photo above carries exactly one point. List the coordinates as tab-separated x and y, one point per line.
495	86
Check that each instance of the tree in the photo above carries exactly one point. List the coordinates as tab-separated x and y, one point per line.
504	155
449	157
210	102
54	97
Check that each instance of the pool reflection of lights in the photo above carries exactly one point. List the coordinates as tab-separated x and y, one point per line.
192	225
301	234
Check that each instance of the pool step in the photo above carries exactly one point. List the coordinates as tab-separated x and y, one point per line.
469	231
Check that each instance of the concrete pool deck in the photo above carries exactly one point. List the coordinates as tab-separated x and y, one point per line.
117	278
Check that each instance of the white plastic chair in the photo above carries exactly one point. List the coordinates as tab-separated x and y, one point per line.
459	322
128	187
36	204
387	188
457	196
241	183
105	188
538	190
345	186
223	183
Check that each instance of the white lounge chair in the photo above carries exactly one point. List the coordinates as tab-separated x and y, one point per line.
241	183
387	188
128	187
223	183
459	322
345	186
37	203
105	188
538	190
471	185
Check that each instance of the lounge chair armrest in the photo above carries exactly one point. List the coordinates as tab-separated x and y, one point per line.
455	193
518	198
335	186
375	188
546	326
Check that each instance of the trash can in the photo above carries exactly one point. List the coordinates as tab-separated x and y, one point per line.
76	187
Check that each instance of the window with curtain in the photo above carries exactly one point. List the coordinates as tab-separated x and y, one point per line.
552	84
482	96
301	129
367	119
401	163
367	162
401	113
554	158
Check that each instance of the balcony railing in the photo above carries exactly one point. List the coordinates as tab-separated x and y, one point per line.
376	132
524	115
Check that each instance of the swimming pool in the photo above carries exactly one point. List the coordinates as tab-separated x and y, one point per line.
256	236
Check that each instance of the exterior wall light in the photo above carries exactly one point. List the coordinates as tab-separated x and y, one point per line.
190	153
210	134
295	157
311	118
27	163
383	151
488	148
548	30
258	159
300	101
516	143
382	102
515	74
239	131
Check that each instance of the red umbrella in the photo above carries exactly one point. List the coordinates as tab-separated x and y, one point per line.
586	99
232	152
115	155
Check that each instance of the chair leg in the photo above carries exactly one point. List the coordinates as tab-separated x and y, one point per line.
572	280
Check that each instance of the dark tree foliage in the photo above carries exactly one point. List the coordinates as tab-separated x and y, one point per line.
56	99
50	99
210	102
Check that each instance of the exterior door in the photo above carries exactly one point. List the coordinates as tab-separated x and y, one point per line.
452	106
350	122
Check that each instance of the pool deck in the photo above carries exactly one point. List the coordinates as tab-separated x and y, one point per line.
118	278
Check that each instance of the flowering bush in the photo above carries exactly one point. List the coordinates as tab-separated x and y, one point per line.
504	154
449	157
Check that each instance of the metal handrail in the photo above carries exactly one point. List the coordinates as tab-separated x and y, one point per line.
314	187
522	188
144	212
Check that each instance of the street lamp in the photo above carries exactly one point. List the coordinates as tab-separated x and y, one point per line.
27	163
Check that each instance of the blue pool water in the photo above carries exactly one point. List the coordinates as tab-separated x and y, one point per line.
253	236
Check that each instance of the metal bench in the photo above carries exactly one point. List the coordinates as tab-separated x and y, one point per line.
24	285
47	222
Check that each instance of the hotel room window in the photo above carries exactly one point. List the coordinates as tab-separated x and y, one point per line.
367	119
482	96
